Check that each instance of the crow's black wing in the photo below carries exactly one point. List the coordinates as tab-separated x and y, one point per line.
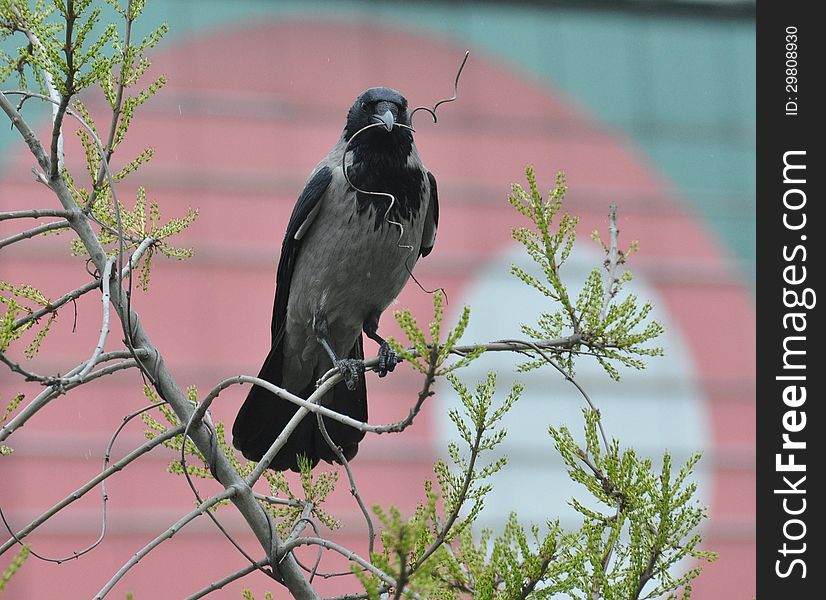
431	221
263	416
305	210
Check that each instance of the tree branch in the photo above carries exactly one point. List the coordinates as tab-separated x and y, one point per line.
354	491
441	538
56	153
228	492
104	327
108	149
612	260
56	389
30	233
345	552
53	306
36	213
163	381
91	484
228	579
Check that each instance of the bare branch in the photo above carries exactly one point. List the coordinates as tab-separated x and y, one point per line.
27	375
332	377
87	287
104	327
30	233
104	498
612	261
228	579
226	493
57	389
279	501
37	213
301	522
304	408
345	552
200	416
53	306
424	394
354	491
360	595
540	351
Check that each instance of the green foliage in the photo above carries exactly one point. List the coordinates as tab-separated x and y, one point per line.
477	428
20	301
315	491
431	355
647	522
18	17
68	49
248	595
72	61
416	550
14	567
315	488
138	226
514	564
615	333
638	521
196	464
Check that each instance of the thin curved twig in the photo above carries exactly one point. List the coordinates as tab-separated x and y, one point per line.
89	485
569	378
354	491
104	328
345	552
101	478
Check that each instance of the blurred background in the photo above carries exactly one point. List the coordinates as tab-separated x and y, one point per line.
648	104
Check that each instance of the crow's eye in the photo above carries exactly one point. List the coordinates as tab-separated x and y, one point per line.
364	106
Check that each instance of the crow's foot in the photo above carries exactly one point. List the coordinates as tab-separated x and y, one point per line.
350	369
387	359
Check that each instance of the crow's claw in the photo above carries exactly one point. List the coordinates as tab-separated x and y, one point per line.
387	360
350	369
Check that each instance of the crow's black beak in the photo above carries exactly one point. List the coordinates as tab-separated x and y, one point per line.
387	119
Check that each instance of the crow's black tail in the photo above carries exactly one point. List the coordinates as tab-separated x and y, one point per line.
264	415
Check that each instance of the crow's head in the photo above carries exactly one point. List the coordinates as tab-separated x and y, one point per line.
381	106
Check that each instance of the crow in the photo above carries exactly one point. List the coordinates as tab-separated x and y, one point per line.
350	246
